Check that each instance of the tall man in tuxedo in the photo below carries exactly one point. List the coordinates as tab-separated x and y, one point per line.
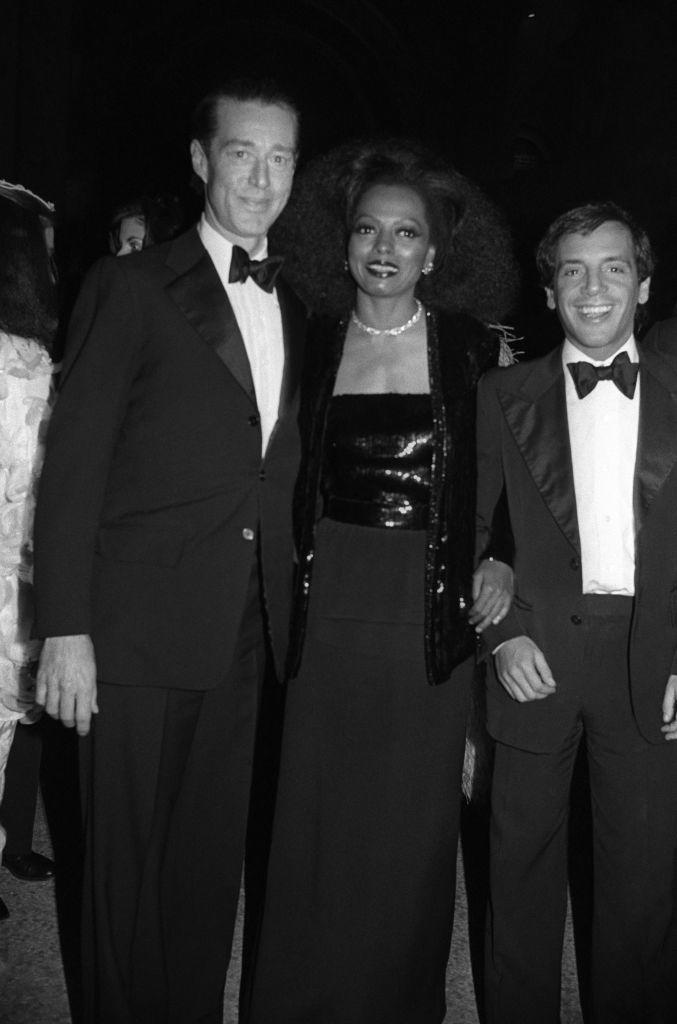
583	443
164	561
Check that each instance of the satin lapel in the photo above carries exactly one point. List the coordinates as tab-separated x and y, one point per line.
293	330
537	417
657	436
200	296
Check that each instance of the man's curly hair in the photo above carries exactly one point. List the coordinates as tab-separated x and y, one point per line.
474	269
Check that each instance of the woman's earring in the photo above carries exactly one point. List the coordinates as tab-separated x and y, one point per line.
427	268
345	266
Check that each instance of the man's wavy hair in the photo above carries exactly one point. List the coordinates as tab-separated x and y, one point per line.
583	220
474	268
28	305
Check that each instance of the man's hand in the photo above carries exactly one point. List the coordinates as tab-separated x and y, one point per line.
523	670
67	680
492	590
669	729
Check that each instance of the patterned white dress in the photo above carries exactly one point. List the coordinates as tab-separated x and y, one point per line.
25	395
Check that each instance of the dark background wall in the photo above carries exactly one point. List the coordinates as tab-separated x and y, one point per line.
546	103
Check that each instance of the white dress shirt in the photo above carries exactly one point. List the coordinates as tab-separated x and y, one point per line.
258	316
603	439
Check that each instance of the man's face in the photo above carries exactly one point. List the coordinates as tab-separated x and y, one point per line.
132	235
596	289
247	169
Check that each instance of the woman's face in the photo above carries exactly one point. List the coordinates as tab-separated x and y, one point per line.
132	235
48	235
389	241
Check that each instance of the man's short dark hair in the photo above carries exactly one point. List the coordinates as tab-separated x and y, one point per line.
266	91
583	220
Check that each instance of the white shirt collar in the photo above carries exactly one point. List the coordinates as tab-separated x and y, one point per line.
572	354
220	248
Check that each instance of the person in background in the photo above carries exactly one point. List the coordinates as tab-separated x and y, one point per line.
584	444
19	804
402	260
145	221
28	321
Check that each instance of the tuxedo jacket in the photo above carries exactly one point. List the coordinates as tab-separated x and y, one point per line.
524	456
155	500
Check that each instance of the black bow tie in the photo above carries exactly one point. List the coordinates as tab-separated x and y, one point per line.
263	272
621	371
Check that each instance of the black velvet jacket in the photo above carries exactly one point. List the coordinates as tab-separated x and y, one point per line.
459	350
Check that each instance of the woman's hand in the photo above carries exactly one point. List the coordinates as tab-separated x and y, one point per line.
492	591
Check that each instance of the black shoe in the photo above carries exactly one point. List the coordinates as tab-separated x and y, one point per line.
4	912
29	867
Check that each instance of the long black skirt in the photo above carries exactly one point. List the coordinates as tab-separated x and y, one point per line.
360	894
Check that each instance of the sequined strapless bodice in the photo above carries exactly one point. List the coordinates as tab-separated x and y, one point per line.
378	453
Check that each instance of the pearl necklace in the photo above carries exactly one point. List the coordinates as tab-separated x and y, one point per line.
391	331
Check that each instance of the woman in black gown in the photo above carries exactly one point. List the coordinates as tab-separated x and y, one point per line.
360	894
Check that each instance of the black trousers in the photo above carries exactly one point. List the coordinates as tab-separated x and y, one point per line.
166	780
633	791
20	798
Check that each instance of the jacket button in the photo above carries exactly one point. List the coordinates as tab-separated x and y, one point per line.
576	619
262	474
575	564
254	420
247	533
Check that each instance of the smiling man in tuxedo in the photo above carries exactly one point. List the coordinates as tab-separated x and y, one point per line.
583	443
164	562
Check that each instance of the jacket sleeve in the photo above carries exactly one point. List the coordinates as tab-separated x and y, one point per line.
99	365
493	532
